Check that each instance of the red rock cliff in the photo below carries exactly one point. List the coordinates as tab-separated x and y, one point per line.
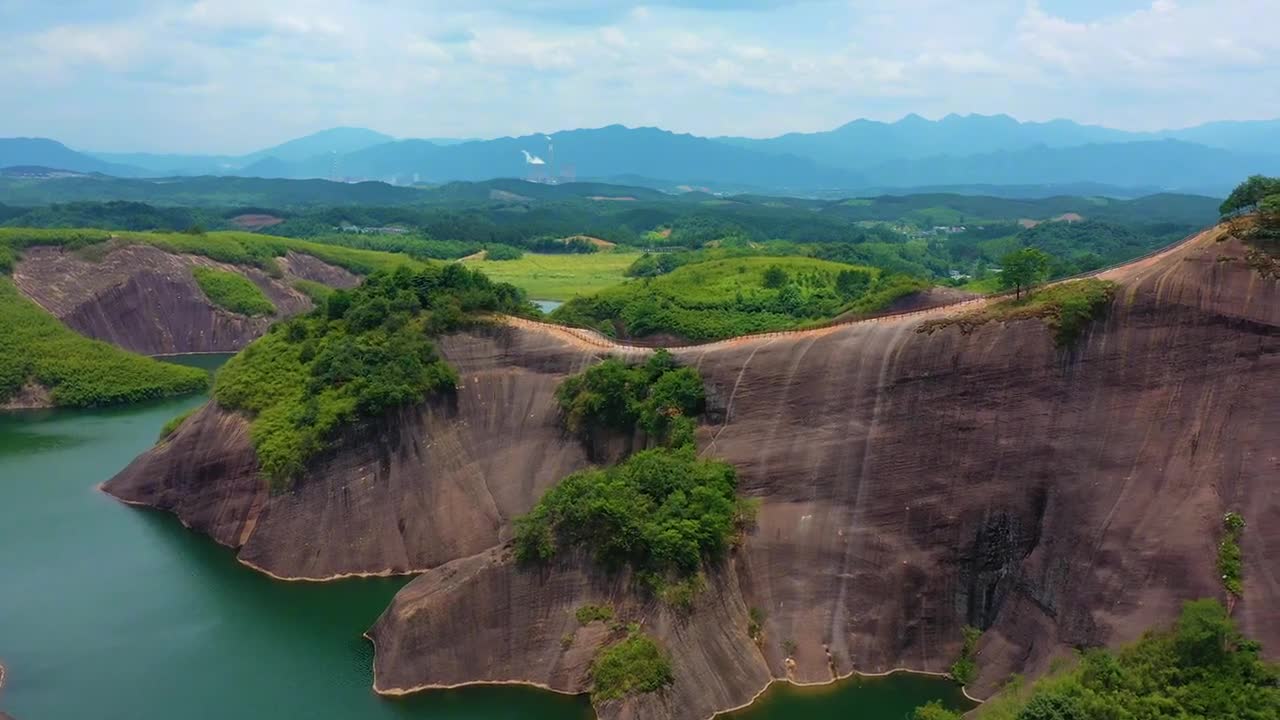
911	483
144	299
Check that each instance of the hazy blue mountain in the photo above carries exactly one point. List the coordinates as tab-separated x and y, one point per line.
956	152
594	153
47	153
339	140
203	191
165	165
864	144
1250	136
1166	164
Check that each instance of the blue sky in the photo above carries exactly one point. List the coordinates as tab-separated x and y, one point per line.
234	75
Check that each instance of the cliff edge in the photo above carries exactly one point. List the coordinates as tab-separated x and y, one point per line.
911	482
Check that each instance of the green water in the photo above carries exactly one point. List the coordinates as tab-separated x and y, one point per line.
108	611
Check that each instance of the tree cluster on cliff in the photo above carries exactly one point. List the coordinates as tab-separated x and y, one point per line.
663	511
365	351
1202	668
655	396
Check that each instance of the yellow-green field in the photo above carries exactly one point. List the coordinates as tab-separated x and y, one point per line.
559	277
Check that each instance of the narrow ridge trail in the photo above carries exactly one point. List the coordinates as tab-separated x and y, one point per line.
592	340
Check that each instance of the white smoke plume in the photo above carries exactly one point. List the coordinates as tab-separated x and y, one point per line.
532	159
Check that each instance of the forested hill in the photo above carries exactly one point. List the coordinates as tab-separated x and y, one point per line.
926	236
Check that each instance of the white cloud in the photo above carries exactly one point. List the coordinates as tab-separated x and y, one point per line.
232	75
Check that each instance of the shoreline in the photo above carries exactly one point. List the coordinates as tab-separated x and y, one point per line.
161	356
404	692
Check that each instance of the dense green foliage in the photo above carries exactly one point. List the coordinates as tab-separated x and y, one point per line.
724	298
1248	195
233	291
78	372
1067	308
656	397
366	351
1023	269
897	234
631	666
1230	559
661	511
502	253
934	710
1201	669
236	248
965	668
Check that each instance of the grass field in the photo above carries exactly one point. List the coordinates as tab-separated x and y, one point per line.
734	296
559	277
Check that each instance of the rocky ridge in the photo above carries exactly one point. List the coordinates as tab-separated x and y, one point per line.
143	299
910	483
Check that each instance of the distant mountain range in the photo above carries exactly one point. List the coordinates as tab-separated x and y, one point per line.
956	152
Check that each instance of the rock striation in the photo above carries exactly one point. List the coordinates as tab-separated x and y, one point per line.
145	300
910	482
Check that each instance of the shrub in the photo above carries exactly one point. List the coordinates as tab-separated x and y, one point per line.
503	252
172	424
1202	667
965	668
1067	308
661	511
755	623
681	594
1230	559
630	667
933	710
588	614
233	292
655	396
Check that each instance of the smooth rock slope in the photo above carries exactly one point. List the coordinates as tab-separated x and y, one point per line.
143	299
911	483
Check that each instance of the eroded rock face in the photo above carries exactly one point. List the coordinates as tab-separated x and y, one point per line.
910	483
143	299
417	489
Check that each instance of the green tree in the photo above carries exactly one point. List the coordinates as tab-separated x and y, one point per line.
1024	269
1249	194
933	710
1055	706
852	284
775	277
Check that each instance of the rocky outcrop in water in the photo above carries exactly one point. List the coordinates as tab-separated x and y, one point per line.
910	483
421	487
144	299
